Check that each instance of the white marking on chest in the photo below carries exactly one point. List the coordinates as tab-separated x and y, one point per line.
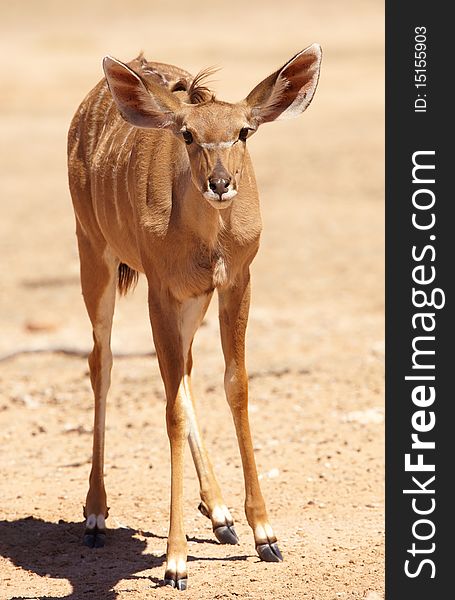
220	272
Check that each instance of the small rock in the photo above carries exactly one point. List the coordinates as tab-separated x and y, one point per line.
71	428
273	473
28	401
370	415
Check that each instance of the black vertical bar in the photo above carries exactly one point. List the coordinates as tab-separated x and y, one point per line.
407	132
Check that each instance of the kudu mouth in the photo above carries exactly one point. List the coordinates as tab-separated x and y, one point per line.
218	200
220	188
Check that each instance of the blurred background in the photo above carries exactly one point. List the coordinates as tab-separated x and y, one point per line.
315	344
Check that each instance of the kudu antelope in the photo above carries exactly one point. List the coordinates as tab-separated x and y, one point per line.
162	184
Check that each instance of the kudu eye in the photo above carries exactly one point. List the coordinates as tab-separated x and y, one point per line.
243	134
188	137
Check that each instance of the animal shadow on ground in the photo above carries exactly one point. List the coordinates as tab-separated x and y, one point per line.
55	550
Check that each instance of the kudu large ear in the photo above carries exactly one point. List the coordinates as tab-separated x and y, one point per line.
141	104
287	92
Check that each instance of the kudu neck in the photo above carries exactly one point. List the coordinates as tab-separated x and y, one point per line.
202	219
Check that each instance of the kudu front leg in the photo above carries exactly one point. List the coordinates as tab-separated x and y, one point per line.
98	279
176	553
234	307
174	325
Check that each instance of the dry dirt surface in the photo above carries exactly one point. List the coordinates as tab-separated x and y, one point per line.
315	339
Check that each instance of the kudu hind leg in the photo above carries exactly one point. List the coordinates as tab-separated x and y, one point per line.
234	307
212	504
99	279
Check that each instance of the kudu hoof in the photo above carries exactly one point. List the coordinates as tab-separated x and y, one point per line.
269	552
179	584
94	538
226	534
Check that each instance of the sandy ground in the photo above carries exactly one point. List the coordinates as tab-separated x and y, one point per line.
315	342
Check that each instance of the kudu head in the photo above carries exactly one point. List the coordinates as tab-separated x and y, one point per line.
215	132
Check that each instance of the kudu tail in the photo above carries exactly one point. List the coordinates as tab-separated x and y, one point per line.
127	278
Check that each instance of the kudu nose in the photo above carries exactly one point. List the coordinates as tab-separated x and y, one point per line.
218	185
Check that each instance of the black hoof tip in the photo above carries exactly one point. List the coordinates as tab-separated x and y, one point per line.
100	540
180	584
269	552
95	539
226	535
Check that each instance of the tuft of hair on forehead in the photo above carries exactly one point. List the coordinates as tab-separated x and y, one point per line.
199	92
